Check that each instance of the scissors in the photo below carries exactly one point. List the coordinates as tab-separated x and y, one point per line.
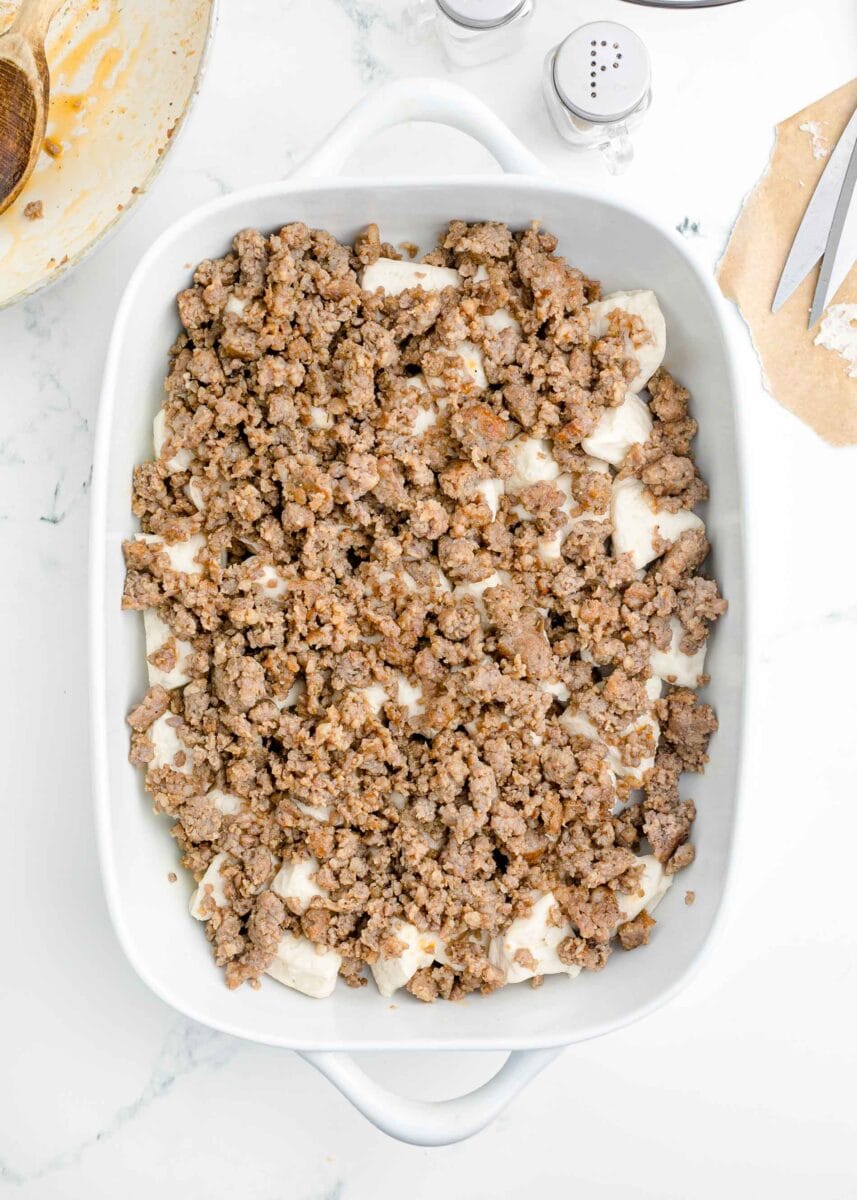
820	235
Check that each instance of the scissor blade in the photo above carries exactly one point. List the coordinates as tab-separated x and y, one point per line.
846	253
811	237
828	263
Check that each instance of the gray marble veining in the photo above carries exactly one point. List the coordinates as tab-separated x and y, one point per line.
738	1087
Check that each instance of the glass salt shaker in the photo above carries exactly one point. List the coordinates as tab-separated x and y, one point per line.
597	87
471	32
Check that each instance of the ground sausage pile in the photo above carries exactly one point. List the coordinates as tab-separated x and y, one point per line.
395	665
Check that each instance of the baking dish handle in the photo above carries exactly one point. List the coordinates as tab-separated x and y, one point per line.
419	100
431	1122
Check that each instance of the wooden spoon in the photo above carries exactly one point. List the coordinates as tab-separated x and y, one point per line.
24	94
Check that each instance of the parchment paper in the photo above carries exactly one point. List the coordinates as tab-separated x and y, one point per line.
809	380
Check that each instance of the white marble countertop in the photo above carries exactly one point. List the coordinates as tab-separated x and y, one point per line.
743	1085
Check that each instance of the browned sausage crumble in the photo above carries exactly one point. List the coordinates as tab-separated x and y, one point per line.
348	694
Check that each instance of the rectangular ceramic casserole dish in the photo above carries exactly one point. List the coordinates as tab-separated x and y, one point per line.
609	241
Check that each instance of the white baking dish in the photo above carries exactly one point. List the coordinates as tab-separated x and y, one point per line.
169	951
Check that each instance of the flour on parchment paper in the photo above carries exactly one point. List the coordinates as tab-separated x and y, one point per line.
818	143
812	373
839	332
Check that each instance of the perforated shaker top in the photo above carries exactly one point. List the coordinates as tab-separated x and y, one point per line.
602	71
481	14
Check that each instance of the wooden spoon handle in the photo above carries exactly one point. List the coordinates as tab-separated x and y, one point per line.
33	19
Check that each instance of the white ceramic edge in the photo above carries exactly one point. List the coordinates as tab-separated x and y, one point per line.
134	204
407	1120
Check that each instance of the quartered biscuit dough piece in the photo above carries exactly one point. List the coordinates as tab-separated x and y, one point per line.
375	696
319	418
501	318
305	966
581	726
161	433
491	490
477	590
210	893
654	885
420	950
472	369
166	742
619	429
185	556
424	419
396	275
533	463
292	695
226	802
295	883
196	495
409	695
550	547
237	305
673	665
268	583
643	304
636	525
555	687
158	634
318	812
429	407
529	946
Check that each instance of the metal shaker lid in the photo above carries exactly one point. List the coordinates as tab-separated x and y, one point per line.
602	71
481	14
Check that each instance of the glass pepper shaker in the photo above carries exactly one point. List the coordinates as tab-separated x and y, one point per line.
471	32
597	87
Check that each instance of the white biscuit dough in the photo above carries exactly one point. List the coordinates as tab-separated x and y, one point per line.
157	634
210	889
161	433
183	555
166	742
420	949
536	936
654	885
636	524
306	967
643	304
396	275
295	883
619	429
676	667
